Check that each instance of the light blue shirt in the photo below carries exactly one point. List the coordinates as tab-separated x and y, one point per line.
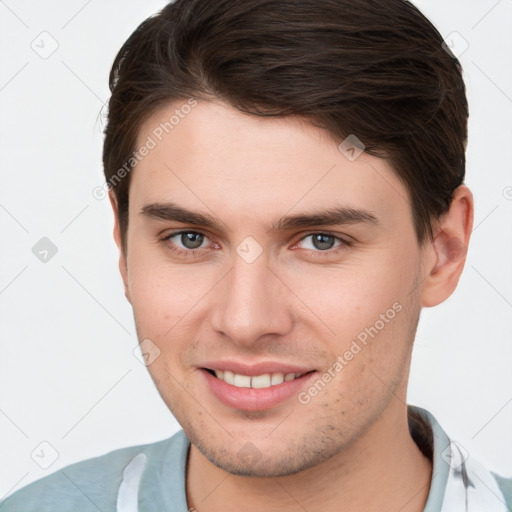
159	484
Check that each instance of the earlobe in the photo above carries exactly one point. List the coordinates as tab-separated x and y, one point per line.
123	266
449	246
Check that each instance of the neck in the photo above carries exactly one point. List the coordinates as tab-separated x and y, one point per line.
383	470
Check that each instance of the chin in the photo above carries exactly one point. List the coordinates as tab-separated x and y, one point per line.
249	461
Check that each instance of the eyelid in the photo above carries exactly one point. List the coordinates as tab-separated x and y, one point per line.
345	242
344	238
168	236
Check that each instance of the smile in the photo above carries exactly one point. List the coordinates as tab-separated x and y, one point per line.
265	380
264	389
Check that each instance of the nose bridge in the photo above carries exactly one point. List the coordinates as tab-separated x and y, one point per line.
252	303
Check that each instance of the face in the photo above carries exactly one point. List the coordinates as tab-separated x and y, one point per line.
238	277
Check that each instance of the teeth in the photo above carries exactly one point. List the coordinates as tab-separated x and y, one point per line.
261	381
242	381
277	378
258	381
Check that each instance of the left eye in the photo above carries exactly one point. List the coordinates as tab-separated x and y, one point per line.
323	241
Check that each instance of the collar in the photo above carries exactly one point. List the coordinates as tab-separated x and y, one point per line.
459	482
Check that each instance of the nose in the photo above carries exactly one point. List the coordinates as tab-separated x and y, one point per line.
252	302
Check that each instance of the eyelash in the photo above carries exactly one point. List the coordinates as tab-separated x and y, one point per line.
315	253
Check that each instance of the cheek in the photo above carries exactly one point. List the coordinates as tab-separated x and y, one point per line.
350	297
368	313
365	371
162	293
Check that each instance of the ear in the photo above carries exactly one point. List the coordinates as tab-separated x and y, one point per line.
448	249
123	267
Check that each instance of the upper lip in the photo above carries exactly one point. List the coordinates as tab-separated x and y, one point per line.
251	370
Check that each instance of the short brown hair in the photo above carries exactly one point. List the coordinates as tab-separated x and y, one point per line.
375	69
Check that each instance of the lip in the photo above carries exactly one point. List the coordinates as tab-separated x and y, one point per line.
252	370
255	399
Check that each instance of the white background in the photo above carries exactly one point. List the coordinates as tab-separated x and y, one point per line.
68	375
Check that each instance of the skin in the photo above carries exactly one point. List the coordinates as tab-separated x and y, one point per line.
296	303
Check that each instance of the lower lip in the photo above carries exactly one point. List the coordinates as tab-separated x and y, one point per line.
254	399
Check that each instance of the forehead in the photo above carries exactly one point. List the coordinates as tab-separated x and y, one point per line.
211	155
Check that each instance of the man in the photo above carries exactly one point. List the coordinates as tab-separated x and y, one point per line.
287	184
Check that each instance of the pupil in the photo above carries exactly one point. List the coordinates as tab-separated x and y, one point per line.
322	241
194	239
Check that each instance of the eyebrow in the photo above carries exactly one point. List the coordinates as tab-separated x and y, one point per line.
334	216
